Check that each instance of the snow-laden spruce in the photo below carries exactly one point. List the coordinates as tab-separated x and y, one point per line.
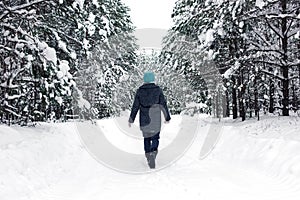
254	44
42	47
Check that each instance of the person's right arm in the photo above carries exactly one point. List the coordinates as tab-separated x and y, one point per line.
135	107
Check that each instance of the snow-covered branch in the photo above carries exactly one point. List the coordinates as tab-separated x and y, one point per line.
275	29
8	10
260	48
272	74
53	30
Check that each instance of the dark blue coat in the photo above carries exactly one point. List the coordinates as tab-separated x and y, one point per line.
150	100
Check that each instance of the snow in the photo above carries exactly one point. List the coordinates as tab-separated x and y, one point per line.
29	57
20	54
260	3
89	24
86	44
252	160
30	42
59	100
209	36
7	60
80	3
19	45
196	105
106	22
91	29
231	70
241	24
270	16
51	95
91	17
6	33
235	9
79	25
10	97
42	45
95	2
48	52
73	55
266	97
210	54
62	45
221	31
124	77
64	68
228	73
60	74
297	34
82	103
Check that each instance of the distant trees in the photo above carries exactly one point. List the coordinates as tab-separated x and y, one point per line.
174	85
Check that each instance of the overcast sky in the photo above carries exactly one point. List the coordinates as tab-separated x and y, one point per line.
151	13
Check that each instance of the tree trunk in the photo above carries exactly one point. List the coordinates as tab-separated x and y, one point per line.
284	68
298	86
234	100
271	97
241	96
256	107
227	114
294	102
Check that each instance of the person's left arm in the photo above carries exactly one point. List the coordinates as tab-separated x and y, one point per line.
164	107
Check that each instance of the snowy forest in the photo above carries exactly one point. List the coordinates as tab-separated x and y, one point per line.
76	59
227	70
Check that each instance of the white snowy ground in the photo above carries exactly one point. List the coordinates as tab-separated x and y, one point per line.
257	160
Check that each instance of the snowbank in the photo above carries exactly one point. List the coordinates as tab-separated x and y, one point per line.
253	160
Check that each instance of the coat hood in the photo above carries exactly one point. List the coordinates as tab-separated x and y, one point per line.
149	86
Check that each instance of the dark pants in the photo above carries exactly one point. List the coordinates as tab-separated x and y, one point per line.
151	143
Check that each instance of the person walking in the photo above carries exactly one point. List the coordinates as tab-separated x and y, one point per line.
150	101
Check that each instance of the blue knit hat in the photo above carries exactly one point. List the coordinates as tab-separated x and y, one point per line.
148	77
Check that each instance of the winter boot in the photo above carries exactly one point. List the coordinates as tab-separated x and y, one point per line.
155	154
151	160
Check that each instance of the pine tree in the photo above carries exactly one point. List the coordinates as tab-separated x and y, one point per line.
111	59
42	45
252	43
35	81
277	45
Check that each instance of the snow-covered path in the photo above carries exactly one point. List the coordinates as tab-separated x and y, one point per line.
253	160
